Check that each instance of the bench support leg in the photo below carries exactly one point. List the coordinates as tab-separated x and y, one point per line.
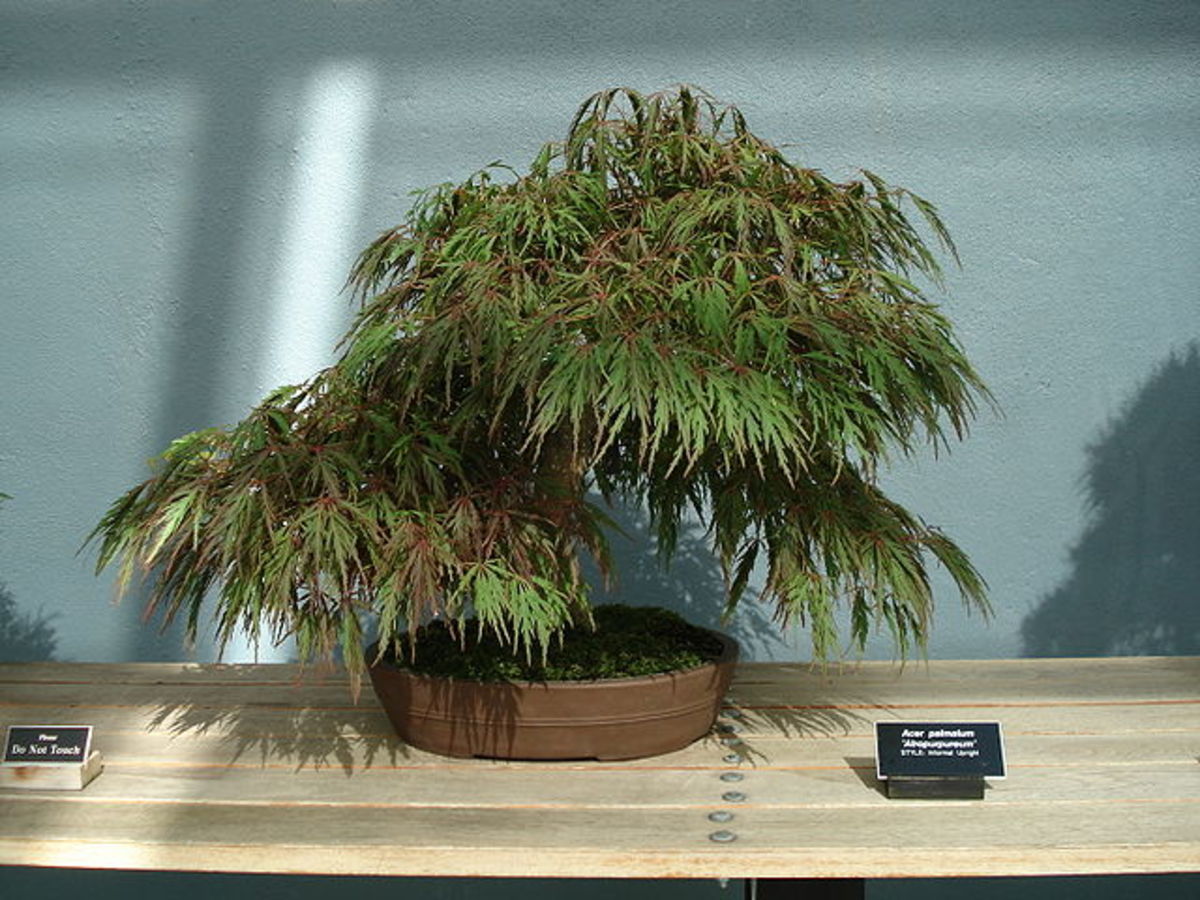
806	889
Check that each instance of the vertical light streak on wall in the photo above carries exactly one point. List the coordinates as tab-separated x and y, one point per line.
318	235
317	243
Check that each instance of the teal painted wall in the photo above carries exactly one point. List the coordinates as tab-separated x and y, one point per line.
183	187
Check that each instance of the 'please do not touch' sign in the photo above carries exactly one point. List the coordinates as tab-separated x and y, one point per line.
41	757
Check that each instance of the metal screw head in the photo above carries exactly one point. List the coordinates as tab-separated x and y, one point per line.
733	713
732	757
720	815
727	728
732	776
722	837
731	741
733	796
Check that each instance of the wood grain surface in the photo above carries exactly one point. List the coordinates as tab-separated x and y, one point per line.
275	769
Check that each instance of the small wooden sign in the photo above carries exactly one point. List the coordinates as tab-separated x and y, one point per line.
938	759
49	757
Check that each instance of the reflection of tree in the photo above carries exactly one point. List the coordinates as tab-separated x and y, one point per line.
1135	588
23	637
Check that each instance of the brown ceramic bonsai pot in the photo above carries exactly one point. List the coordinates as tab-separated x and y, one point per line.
612	718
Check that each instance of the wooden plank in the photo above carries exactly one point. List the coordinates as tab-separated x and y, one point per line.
474	786
248	694
947	839
352	753
602	861
164	673
154	709
1087	718
271	738
1002	682
1021	749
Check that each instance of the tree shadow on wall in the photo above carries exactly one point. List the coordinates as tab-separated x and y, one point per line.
692	585
24	637
1135	588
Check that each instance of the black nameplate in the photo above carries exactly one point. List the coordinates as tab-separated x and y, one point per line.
47	744
952	750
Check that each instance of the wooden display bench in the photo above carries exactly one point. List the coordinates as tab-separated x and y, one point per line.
260	768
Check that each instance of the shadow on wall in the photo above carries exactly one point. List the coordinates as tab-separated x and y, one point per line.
24	637
1135	588
692	585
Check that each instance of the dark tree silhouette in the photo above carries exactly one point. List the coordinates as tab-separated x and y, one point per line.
1135	587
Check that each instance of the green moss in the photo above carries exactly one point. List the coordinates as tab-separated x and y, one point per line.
627	641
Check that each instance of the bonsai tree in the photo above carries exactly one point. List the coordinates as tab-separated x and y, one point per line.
663	309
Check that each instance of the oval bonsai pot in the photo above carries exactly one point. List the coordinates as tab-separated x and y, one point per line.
610	718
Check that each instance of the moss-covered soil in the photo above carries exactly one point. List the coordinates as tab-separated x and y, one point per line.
627	641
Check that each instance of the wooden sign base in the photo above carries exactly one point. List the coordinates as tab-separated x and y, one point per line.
934	788
51	776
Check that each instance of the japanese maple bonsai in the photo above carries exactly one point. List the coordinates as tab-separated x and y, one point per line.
665	310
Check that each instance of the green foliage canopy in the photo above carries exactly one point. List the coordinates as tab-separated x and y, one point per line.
664	308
